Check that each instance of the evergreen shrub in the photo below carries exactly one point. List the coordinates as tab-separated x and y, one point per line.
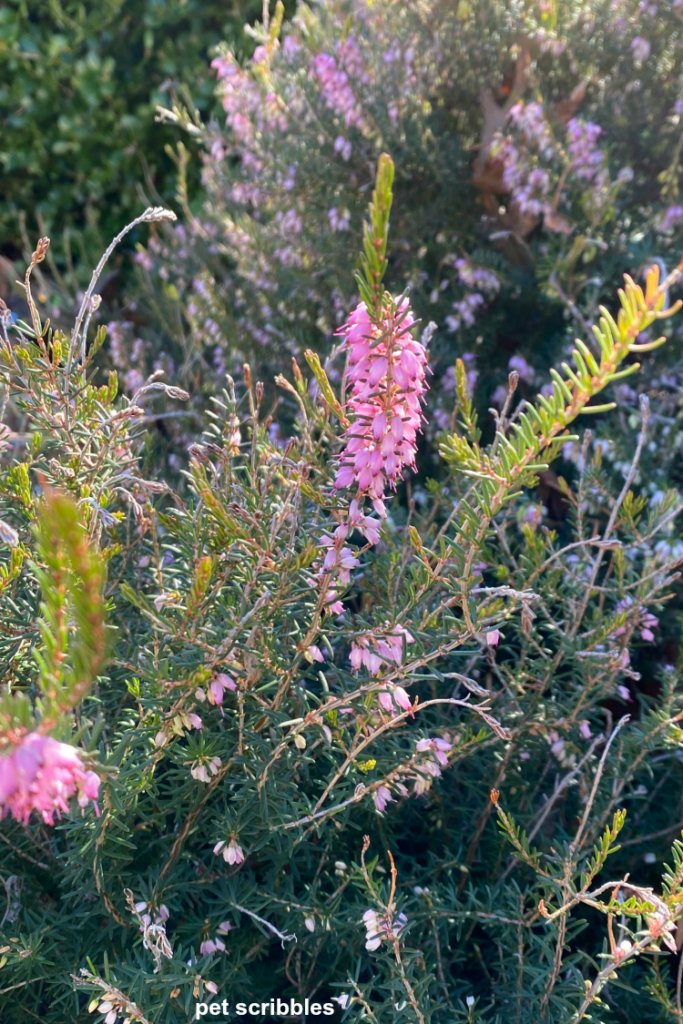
277	732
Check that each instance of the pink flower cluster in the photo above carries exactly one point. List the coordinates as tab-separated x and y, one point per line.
42	774
219	684
216	945
205	767
340	560
339	219
388	370
333	75
588	161
373	650
241	97
438	748
466	311
476	277
250	113
528	182
646	621
395	697
466	308
529	120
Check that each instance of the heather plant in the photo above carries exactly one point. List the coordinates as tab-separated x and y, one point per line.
538	156
284	735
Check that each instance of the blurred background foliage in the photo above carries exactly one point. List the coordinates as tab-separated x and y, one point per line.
79	85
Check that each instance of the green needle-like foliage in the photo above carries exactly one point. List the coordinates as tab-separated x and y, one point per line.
306	720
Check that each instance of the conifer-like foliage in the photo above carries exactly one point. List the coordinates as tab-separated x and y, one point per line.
257	731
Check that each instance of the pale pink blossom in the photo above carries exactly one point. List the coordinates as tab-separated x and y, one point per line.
212	946
394	697
205	768
386	702
401	697
373	650
232	852
588	161
382	797
219	685
313	653
437	746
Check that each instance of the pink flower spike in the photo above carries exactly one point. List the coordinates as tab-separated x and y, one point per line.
493	637
41	774
388	380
